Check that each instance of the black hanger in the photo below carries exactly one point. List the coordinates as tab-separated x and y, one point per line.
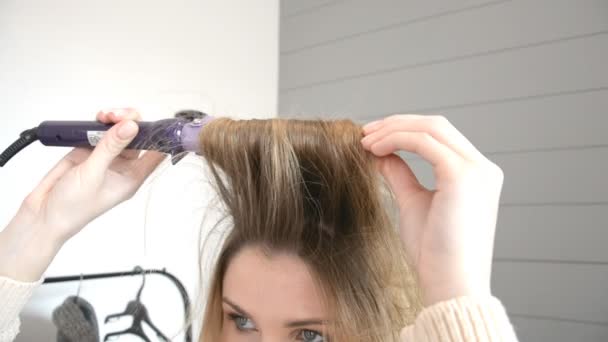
139	312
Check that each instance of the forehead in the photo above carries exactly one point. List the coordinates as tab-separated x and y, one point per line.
277	286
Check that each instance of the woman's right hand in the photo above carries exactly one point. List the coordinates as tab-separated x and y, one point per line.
83	185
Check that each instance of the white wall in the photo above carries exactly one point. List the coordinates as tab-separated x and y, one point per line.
527	82
67	59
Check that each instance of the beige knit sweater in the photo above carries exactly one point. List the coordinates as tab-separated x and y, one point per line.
462	319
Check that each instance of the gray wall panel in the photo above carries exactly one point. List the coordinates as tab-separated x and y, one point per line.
445	38
553	233
559	331
552	177
562	121
291	8
563	291
527	83
341	19
574	65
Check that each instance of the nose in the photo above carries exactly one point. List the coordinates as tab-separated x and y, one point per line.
273	338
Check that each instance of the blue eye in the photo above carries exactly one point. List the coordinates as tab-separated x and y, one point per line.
310	336
242	323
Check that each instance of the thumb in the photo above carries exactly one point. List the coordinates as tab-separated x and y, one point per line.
399	176
111	145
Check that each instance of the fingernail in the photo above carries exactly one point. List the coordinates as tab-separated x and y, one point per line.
127	130
365	144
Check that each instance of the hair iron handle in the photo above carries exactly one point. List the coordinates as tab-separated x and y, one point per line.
175	136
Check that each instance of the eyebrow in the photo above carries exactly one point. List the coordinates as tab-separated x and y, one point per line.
236	307
302	323
292	324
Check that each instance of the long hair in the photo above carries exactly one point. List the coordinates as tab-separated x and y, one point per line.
308	187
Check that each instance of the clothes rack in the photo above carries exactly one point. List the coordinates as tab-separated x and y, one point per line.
136	272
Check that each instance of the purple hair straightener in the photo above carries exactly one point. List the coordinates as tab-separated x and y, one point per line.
176	136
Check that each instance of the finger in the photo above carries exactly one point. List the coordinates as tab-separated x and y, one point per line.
402	181
145	165
423	144
120	114
103	117
116	115
111	146
437	126
130	154
73	158
372	126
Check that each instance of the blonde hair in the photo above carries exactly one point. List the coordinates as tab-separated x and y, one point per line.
308	187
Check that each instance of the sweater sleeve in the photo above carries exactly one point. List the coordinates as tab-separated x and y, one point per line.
462	319
13	297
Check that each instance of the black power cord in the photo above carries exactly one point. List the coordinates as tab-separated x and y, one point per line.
27	137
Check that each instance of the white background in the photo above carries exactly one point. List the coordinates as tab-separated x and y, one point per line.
65	60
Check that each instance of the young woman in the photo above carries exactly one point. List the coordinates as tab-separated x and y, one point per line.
311	254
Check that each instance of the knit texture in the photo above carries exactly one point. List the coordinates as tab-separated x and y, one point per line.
13	296
76	321
462	319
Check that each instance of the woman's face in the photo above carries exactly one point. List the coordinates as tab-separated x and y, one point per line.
271	298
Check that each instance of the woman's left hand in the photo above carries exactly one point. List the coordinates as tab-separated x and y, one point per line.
448	232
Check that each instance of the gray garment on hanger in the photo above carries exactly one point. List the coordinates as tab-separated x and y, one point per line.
76	321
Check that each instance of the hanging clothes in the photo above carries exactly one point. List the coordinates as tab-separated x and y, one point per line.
76	321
